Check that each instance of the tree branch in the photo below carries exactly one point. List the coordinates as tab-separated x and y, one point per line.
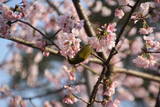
43	35
54	7
106	71
49	92
29	44
87	25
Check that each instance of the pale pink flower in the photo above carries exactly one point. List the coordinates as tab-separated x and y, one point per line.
145	62
111	28
144	8
68	44
105	41
111	89
46	53
146	31
152	42
141	92
119	13
6	15
68	23
124	94
132	81
153	88
71	73
94	42
136	46
38	57
32	76
108	41
10	15
124	2
70	99
111	103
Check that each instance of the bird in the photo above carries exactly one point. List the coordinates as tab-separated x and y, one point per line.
83	54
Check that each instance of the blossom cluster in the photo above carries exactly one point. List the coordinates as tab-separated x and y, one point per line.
7	15
105	39
68	40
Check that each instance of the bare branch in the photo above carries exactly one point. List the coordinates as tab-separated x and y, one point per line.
106	71
30	44
54	7
88	28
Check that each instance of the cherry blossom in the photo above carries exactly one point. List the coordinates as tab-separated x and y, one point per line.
68	23
69	44
111	89
106	38
146	31
119	13
142	61
70	72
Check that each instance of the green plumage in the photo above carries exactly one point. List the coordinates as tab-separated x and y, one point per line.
83	54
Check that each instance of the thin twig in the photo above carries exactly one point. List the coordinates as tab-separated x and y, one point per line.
80	98
30	44
30	100
45	36
54	7
106	66
49	92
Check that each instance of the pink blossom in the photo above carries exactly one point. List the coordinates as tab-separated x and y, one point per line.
111	28
140	92
108	41
106	38
68	44
111	89
70	99
136	46
144	8
46	53
94	42
152	42
119	13
71	73
124	94
124	2
146	31
68	23
9	14
145	62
